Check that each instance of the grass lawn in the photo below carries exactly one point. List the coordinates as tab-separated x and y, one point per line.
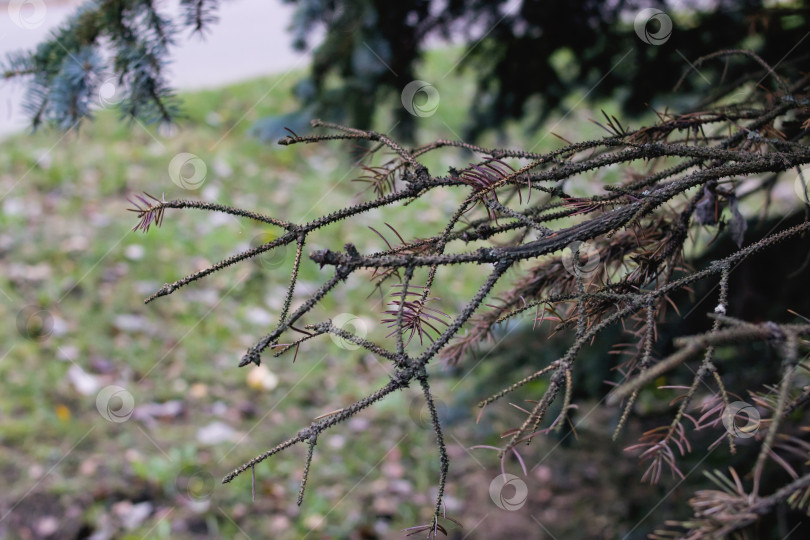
186	415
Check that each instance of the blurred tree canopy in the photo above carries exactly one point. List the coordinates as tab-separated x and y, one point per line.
519	52
532	49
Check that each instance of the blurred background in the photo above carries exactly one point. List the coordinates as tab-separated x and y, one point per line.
118	420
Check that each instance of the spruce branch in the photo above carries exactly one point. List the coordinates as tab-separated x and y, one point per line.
638	231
